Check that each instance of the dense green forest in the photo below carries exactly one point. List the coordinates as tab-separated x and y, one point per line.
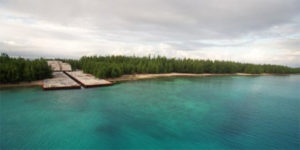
115	66
19	69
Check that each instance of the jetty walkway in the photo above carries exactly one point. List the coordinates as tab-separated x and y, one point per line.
65	78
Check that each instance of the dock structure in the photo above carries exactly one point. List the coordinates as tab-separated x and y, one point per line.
87	80
65	78
60	81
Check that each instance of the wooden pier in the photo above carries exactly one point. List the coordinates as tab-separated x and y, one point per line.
60	81
87	80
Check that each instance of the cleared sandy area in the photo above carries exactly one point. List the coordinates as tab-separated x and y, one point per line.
54	65
65	66
59	65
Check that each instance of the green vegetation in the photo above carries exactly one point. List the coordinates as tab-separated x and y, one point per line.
19	69
115	66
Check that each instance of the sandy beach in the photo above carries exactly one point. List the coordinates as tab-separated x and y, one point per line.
149	76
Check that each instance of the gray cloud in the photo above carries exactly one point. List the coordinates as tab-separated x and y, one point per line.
194	20
171	27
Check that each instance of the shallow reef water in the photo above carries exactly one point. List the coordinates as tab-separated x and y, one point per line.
230	112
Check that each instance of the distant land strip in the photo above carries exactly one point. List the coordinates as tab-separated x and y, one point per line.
21	72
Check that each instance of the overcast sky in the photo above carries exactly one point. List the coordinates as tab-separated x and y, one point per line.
256	31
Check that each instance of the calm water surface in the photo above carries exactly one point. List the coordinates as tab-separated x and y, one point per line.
232	112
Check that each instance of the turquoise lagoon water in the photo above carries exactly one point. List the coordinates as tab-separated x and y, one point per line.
231	112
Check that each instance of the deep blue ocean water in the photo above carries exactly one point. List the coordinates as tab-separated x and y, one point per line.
230	112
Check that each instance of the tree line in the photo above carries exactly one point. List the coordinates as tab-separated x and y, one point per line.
20	69
115	66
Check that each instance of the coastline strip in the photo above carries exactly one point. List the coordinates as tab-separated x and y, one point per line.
160	75
143	76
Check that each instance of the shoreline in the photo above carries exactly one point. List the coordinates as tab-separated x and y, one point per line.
135	77
22	84
163	75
